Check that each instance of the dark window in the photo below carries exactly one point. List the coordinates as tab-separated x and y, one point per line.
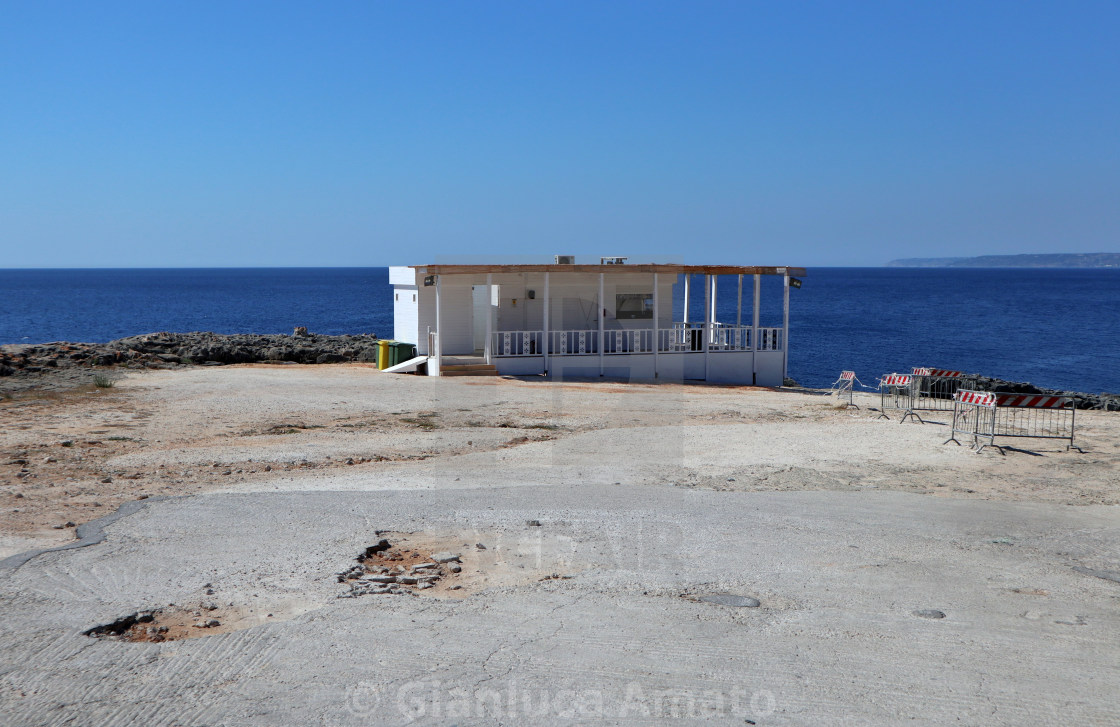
633	305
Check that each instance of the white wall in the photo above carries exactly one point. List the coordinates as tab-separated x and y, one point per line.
769	366
731	367
405	313
456	316
402	275
425	317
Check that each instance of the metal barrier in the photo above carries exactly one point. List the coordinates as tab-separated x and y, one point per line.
985	414
843	388
934	389
895	393
974	415
1035	417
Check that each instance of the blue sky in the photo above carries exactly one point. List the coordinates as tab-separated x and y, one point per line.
373	133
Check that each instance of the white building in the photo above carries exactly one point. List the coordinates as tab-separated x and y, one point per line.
569	321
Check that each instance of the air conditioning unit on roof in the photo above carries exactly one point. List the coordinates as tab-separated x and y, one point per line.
565	259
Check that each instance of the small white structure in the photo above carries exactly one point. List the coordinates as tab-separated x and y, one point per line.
581	321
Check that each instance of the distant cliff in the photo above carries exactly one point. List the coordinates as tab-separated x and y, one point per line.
1060	260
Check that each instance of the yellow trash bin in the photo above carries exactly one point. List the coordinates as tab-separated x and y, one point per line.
383	354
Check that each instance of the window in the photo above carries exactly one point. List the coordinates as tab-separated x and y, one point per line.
633	305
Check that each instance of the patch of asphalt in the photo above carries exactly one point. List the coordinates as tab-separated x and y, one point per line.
91	533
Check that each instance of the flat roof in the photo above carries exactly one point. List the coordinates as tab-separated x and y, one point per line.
609	269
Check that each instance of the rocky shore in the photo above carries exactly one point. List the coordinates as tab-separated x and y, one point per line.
1081	400
68	363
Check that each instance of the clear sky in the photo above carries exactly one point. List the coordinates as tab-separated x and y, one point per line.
166	134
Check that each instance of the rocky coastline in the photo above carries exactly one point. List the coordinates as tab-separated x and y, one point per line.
63	363
1081	400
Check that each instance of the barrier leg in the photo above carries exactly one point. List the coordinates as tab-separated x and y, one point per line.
912	413
990	435
953	427
910	406
882	403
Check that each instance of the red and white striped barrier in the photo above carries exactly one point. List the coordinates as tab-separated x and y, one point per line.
896	392
979	398
940	373
985	415
933	389
844	388
1031	401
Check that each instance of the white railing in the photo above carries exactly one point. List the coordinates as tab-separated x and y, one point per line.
681	338
573	343
517	343
769	339
730	338
631	341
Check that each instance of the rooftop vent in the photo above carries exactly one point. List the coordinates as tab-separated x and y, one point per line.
565	259
612	260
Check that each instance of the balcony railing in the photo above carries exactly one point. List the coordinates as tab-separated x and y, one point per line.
682	338
518	343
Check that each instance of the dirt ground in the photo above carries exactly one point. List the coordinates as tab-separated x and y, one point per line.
73	453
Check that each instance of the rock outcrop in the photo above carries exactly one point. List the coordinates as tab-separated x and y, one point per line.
1081	400
162	350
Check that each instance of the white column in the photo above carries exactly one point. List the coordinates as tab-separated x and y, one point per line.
754	330
785	331
489	348
685	319
707	320
439	327
715	282
739	310
600	324
656	323
545	335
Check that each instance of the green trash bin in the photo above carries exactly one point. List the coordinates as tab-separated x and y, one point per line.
400	352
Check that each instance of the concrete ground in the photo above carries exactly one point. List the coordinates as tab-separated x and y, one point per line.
897	580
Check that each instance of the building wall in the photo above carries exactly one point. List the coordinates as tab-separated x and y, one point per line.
770	365
456	316
405	313
724	367
573	301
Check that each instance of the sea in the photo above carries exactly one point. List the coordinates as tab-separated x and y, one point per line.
1056	328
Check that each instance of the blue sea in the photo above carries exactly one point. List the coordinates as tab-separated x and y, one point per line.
1053	328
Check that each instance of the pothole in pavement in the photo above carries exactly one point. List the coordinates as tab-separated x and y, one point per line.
453	566
206	618
443	566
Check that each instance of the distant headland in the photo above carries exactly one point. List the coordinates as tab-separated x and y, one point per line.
1058	260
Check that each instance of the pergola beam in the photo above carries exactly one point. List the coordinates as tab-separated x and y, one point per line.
608	269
